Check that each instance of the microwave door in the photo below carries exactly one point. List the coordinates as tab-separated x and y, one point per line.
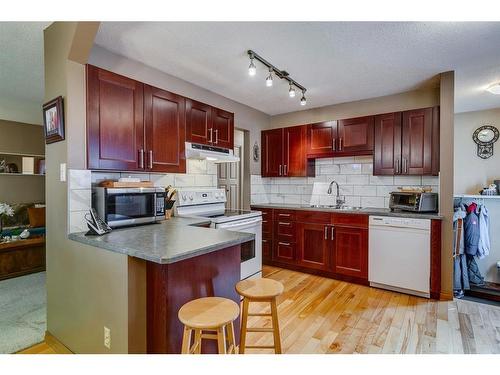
130	208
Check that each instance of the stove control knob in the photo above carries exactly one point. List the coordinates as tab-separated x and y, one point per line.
191	197
184	197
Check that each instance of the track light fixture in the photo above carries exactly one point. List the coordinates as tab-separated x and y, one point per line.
281	74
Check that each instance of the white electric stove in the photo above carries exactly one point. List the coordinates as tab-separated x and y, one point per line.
211	203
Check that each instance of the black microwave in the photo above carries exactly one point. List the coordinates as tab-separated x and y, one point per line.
120	207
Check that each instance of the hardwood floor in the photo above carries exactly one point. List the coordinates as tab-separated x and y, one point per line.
320	315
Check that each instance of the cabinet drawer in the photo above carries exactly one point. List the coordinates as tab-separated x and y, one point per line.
267	246
351	220
267	236
284	215
284	252
285	230
314	217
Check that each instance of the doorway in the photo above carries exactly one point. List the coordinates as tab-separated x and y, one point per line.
230	176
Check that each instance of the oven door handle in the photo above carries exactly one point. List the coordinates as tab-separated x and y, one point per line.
240	223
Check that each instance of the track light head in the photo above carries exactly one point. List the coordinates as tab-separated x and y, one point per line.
303	100
291	91
269	79
252	69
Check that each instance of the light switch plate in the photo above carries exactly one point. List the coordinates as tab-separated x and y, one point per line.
62	172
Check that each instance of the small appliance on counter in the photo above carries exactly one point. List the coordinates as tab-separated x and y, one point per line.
490	190
125	206
414	201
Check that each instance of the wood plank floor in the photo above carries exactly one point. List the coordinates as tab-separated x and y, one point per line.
320	315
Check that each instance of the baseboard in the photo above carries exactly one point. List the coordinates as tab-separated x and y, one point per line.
55	344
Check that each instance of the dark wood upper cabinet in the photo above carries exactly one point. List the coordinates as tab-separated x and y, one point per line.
223	128
199	122
294	156
322	139
314	245
164	115
355	136
387	140
115	121
407	143
416	149
272	153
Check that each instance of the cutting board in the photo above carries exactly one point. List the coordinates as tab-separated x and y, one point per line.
117	184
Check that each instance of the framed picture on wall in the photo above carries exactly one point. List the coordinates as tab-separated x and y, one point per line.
53	120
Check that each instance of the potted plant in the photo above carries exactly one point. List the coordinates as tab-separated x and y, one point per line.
5	210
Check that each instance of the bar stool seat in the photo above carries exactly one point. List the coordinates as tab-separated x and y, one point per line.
260	290
209	314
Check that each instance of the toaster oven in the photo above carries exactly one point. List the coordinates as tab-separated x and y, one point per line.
414	201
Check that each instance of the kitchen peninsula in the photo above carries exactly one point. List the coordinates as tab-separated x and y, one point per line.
184	261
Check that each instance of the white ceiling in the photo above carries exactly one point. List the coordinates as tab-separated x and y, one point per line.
21	70
336	61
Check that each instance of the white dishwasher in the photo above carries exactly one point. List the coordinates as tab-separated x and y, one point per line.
399	254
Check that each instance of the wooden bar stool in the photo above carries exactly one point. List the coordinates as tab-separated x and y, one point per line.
260	290
210	314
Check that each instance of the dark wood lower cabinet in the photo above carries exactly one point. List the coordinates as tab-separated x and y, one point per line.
351	251
284	252
267	250
314	245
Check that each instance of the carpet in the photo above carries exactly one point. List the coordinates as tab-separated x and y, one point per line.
23	312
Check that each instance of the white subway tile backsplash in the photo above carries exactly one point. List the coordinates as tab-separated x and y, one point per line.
79	179
202	180
98	177
353	174
196	166
162	180
141	176
184	180
79	200
77	222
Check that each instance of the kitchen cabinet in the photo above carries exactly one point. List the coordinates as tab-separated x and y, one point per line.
350	251
314	245
164	114
208	125
115	121
284	153
355	136
267	234
284	236
321	139
223	128
407	143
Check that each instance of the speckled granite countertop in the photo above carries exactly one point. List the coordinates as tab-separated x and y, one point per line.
168	242
363	211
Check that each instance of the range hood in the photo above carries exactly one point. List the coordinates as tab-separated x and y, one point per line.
215	154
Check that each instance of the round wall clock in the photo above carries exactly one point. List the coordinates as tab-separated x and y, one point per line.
485	136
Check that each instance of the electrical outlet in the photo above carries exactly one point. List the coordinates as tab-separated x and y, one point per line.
107	337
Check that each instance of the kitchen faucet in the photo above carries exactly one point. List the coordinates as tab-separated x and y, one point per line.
340	201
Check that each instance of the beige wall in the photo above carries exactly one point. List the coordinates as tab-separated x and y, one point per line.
21	138
245	117
471	172
383	104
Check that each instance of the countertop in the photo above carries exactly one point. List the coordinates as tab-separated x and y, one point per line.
363	211
167	242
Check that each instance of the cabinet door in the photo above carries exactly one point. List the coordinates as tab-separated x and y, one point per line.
267	246
223	128
284	251
314	245
272	153
294	143
164	115
416	149
115	123
351	251
322	138
198	122
355	136
387	144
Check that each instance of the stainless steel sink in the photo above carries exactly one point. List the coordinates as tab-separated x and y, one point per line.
335	207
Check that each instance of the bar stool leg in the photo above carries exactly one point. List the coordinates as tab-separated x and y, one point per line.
230	339
276	327
221	340
244	322
197	341
186	340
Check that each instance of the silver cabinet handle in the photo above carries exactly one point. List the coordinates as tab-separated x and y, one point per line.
210	130
405	165
150	159
397	166
287	215
280	170
280	223
284	169
284	243
326	233
216	131
340	144
333	233
264	240
141	158
333	144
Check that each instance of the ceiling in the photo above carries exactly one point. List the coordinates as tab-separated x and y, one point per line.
21	65
336	61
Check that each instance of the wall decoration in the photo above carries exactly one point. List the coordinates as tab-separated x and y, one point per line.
485	137
53	120
255	152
